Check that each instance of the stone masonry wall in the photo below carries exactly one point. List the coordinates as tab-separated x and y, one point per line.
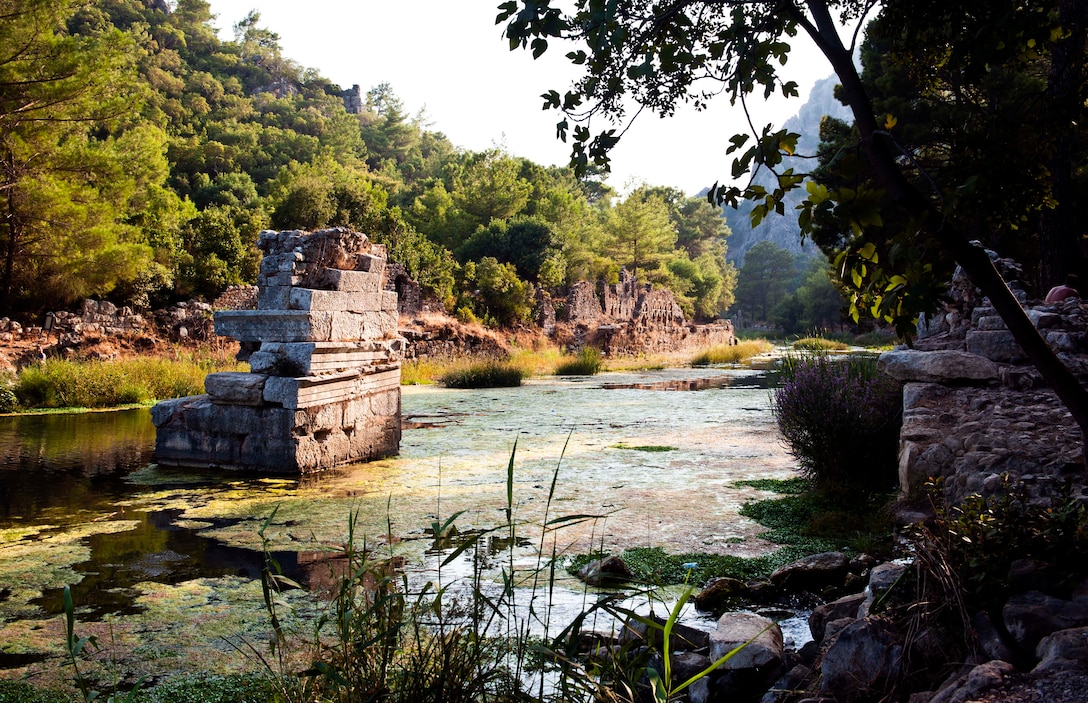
324	386
974	411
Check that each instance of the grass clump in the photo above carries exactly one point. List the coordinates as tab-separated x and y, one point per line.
63	383
421	372
587	362
484	374
819	344
732	353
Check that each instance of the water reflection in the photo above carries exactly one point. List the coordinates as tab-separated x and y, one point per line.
60	467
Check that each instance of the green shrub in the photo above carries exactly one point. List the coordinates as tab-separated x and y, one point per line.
8	401
484	374
840	419
978	541
587	363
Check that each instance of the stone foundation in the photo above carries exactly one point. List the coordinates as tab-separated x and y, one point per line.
324	385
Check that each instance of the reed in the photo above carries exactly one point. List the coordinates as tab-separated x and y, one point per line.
587	362
732	353
819	344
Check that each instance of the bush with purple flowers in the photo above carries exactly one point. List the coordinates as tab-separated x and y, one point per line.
840	419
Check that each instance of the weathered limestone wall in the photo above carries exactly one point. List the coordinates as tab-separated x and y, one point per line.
629	319
324	385
973	410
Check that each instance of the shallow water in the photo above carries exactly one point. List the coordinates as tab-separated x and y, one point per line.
81	503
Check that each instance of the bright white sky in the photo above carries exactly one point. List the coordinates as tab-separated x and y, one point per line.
449	58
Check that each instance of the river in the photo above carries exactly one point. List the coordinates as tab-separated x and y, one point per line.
165	560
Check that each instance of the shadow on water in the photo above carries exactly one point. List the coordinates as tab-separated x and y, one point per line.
66	469
158	551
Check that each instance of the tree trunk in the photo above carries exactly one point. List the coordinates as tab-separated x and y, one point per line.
9	253
972	258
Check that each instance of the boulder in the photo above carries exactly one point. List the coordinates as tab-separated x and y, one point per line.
718	592
972	685
683	638
845	607
990	639
1063	650
881	580
1032	616
813	573
937	366
605	572
863	662
761	637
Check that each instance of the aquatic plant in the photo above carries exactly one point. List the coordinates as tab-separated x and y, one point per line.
732	353
840	419
76	647
587	362
377	639
819	344
484	374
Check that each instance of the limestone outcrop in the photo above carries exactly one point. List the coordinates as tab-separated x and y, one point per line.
630	318
324	354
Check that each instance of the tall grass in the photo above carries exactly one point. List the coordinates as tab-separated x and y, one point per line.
61	383
732	353
489	373
588	362
819	344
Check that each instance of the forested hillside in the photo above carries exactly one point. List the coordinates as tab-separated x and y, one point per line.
140	155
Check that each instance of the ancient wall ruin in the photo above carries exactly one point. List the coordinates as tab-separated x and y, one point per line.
324	381
974	411
629	318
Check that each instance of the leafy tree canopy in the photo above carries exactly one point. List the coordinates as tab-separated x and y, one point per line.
1011	58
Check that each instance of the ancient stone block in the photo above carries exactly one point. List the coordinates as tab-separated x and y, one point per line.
325	386
937	366
996	345
335	300
235	387
348	281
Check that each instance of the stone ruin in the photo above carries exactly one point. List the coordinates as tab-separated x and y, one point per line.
975	412
324	355
631	318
